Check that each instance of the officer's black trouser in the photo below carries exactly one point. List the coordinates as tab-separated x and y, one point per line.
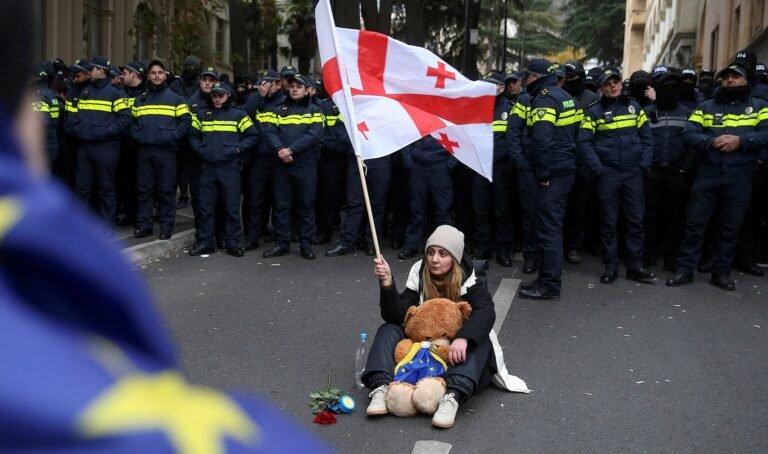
156	177
666	191
621	189
467	377
400	199
377	179
260	194
527	189
297	184
66	161
96	165
752	238
578	209
192	168
428	183
464	215
219	184
551	202
728	191
492	205
331	175
125	182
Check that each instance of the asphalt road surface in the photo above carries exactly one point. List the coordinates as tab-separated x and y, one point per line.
625	367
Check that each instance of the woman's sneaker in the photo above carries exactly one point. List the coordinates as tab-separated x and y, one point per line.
446	412
378	405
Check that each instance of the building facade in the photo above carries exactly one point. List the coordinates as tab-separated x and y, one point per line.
695	33
127	30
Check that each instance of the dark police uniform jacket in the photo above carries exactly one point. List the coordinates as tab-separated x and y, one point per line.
668	126
261	109
615	133
50	109
102	113
297	125
516	135
502	109
551	127
70	107
220	136
335	138
746	118
160	117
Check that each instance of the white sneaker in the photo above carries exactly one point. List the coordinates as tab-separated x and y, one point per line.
446	412
378	405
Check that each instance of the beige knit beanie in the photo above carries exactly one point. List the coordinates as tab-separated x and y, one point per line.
448	238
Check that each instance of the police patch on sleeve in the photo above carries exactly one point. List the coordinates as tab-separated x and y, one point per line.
748	110
541	113
631	110
505	115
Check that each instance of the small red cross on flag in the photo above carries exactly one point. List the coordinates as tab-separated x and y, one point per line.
446	142
441	74
363	128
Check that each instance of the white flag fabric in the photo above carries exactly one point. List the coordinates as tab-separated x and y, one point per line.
391	94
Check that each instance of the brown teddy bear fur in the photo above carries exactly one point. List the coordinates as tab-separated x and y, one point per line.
436	320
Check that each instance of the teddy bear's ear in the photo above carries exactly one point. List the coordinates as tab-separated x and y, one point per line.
411	311
465	308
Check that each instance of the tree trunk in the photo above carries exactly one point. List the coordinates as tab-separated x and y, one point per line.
377	19
474	23
346	13
414	23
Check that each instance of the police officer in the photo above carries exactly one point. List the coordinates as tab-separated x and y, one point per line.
287	73
221	134
666	182
189	160
590	80
187	84
81	78
706	82
48	105
641	87
583	191
551	129
134	84
616	143
161	120
513	85
260	106
294	131
492	201
690	96
730	132
103	116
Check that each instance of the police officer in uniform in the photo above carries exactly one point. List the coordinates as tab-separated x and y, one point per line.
666	182
103	116
187	84
260	106
294	131
49	107
492	201
730	133
81	78
616	143
690	96
134	84
161	120
579	210
221	134
551	128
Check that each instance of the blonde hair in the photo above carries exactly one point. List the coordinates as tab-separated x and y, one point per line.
449	287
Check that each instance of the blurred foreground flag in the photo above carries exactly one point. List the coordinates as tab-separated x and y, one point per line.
391	94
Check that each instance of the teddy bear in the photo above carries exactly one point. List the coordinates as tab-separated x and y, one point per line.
422	356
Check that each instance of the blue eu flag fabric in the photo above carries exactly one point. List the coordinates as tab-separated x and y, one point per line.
85	364
420	362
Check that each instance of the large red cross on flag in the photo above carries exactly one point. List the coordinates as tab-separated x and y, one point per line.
391	94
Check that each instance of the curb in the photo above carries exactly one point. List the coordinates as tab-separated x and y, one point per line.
144	253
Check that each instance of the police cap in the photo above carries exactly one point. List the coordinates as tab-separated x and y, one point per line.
573	68
135	67
608	73
494	77
102	63
303	80
44	70
221	87
210	71
733	68
662	73
541	67
288	71
512	75
80	65
760	69
690	74
269	75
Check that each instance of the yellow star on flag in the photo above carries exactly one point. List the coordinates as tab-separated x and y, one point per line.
195	419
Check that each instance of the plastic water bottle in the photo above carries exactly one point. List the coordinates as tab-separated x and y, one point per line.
361	356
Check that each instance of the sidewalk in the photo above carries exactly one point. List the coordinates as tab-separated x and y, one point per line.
144	250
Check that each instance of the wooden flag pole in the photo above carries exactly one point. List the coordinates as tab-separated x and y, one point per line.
368	209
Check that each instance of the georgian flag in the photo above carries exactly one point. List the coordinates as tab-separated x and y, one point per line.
391	94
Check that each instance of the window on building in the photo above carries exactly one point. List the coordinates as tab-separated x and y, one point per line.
144	31
220	33
713	43
92	27
41	7
735	28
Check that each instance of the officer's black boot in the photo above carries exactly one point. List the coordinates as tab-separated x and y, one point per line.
641	275
679	279
504	256
722	281
610	275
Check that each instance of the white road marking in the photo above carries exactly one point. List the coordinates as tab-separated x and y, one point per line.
431	447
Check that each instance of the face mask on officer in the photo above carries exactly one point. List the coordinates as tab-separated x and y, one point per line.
637	92
574	87
687	89
668	94
190	72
